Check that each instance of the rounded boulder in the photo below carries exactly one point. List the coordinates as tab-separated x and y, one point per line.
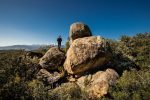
52	59
79	30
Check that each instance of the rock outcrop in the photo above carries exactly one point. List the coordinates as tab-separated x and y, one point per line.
78	30
86	53
97	85
52	59
47	77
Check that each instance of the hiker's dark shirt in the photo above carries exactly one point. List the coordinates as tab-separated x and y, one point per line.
59	40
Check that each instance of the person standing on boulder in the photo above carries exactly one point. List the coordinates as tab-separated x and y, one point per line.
59	40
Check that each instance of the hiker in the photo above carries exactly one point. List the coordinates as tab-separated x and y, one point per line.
59	39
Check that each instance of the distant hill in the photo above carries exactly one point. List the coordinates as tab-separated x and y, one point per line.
26	47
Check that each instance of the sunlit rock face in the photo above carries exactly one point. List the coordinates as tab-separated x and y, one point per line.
86	53
97	84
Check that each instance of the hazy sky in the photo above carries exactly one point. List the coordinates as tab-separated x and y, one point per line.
41	21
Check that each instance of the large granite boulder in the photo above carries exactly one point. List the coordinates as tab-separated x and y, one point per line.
97	85
52	59
78	30
86	53
47	77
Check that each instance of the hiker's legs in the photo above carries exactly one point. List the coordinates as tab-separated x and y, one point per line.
59	45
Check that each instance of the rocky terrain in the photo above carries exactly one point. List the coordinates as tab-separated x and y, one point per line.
85	53
91	68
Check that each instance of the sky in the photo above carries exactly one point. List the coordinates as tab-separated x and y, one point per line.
26	22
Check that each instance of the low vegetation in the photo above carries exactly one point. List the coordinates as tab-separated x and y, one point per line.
131	59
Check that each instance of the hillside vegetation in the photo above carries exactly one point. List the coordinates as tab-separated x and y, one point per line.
131	59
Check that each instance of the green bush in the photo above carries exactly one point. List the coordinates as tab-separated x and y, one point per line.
132	85
16	71
38	90
67	91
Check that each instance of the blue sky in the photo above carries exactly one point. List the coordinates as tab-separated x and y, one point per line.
41	21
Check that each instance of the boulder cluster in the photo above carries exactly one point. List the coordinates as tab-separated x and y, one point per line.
86	53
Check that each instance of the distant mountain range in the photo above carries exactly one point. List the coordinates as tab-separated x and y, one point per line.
26	47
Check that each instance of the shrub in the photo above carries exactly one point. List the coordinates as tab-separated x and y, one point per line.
69	91
132	85
38	90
